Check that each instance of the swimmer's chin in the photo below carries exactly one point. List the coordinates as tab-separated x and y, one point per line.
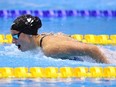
23	50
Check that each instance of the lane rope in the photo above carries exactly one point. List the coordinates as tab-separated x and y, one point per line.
87	38
59	13
55	72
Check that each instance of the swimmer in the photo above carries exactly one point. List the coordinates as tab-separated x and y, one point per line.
24	32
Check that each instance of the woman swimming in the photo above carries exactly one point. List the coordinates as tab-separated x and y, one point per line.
24	32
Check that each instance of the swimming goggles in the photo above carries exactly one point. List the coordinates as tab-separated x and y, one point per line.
16	36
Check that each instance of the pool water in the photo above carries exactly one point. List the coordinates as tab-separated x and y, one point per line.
70	25
56	83
49	4
10	56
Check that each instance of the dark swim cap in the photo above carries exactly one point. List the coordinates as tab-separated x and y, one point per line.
27	24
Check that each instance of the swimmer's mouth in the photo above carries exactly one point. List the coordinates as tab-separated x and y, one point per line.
19	46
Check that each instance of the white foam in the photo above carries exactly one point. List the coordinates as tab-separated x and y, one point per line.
110	52
37	58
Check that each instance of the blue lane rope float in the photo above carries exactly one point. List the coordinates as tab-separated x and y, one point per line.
87	38
55	72
59	13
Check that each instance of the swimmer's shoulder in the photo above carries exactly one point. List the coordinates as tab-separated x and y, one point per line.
58	35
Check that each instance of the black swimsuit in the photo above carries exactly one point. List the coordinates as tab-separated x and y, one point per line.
42	40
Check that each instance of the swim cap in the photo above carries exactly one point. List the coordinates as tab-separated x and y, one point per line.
27	24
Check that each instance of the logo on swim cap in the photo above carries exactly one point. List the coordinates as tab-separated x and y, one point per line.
27	24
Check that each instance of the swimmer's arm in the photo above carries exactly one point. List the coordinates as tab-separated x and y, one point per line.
92	51
77	48
96	53
72	48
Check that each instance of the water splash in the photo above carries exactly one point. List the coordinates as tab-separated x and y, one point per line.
110	52
12	57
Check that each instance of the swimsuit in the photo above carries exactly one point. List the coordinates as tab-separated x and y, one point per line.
42	40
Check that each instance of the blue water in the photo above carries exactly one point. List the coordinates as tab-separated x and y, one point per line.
70	25
62	4
10	56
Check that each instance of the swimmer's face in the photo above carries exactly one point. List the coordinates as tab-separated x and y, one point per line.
21	40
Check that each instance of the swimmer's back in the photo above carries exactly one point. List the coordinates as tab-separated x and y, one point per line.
54	44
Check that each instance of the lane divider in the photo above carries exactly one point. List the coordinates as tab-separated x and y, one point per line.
59	13
5	39
55	72
96	39
88	38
